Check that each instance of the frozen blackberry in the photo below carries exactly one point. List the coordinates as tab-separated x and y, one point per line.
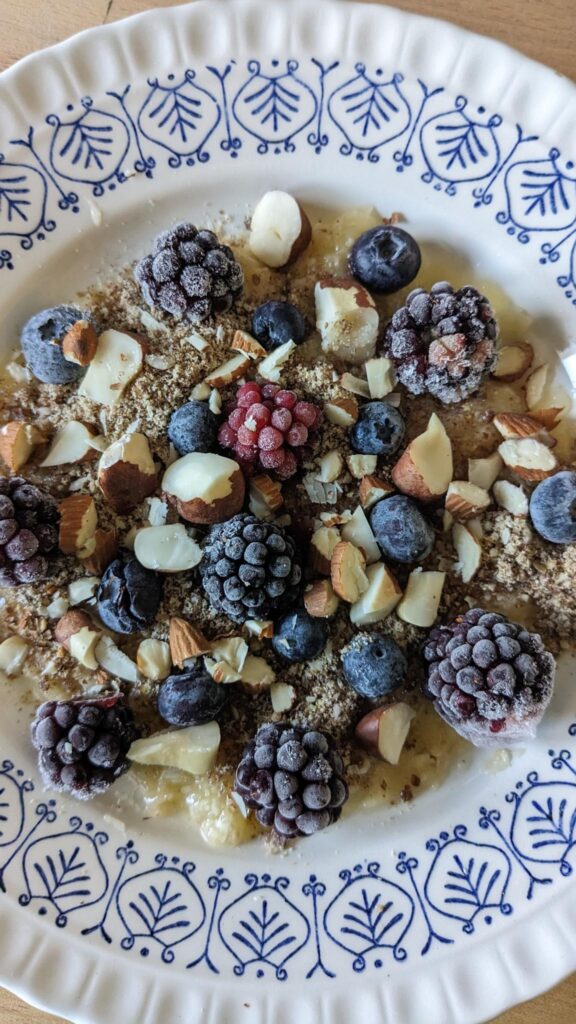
28	532
443	341
190	274
41	342
129	595
294	778
250	569
489	678
83	744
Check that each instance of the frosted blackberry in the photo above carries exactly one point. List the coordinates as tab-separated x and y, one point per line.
293	778
190	274
443	341
489	678
250	569
83	744
28	532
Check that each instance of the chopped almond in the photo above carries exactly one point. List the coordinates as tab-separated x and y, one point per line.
348	571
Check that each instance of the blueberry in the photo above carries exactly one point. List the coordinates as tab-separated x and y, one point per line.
401	530
299	637
41	342
373	665
553	508
379	430
384	259
274	323
193	428
190	697
128	596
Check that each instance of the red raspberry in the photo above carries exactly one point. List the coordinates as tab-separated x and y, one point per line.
237	417
275	460
258	416
227	436
270	439
247	437
246	398
246	388
282	419
270	390
245	453
306	413
297	435
288	467
286	399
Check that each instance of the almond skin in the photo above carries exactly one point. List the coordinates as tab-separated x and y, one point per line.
320	601
78	522
347	571
186	642
72	622
102	553
80	343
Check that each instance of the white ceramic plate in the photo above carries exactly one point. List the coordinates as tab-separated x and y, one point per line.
466	904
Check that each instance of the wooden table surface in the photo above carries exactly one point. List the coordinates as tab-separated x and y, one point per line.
543	29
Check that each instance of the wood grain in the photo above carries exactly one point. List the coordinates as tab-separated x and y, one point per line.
545	31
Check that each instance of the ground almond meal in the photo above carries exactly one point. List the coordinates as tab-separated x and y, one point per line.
520	574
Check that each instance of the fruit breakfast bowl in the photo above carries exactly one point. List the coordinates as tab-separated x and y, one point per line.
286	520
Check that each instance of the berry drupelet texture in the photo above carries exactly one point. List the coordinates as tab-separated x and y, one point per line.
190	274
489	678
269	429
83	744
443	341
294	778
28	532
250	569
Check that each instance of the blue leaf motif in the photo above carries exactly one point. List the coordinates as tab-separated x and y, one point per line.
66	871
13	201
369	913
11	810
466	879
541	196
369	111
458	148
90	148
263	927
179	116
544	825
22	199
162	906
273	108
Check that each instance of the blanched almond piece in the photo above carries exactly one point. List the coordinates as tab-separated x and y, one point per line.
355	385
153	659
469	551
193	749
383	731
283	697
17	442
70	445
167	548
320	601
361	465
256	675
76	632
464	500
425	469
157	512
99	551
421	600
359	532
347	571
483	472
115	661
476	529
342	412
201	392
346	319
79	344
262	628
244	342
118	361
549	418
231	649
186	641
380	598
380	376
513	361
536	385
58	606
330	467
231	370
279	230
335	518
215	402
266	490
511	498
221	671
528	458
372	489
78	522
205	488
322	544
127	473
271	367
13	654
83	589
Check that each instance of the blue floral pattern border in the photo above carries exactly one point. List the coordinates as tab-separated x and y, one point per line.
367	114
266	925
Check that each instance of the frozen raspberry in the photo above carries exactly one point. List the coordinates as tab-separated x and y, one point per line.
490	679
268	427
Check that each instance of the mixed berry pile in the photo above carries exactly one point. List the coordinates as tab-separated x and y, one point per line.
489	678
